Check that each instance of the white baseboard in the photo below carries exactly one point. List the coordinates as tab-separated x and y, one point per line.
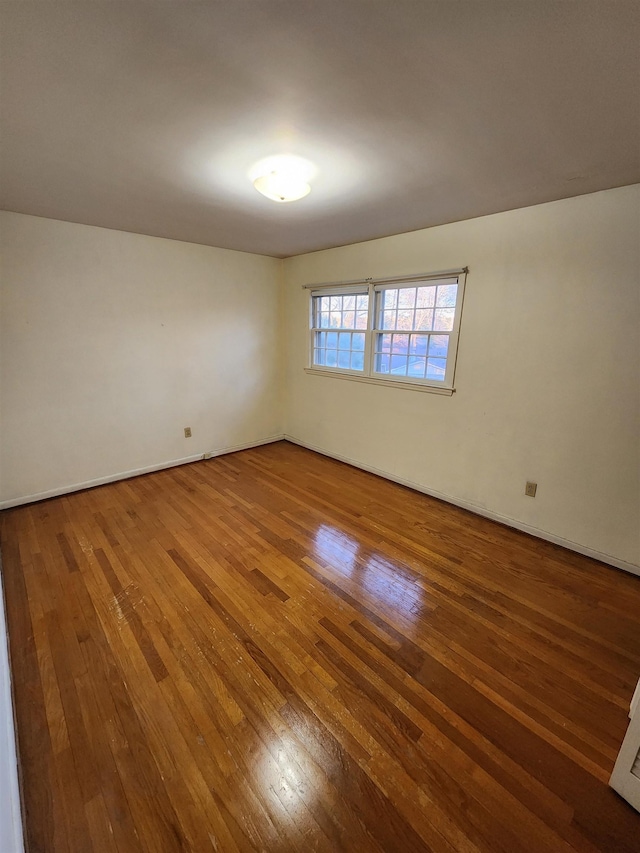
11	840
477	509
135	472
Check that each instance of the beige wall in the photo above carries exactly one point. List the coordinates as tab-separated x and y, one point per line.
548	380
111	343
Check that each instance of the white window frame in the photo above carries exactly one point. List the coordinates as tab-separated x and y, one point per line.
374	287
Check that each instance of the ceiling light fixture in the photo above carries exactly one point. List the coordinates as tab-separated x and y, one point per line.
283	178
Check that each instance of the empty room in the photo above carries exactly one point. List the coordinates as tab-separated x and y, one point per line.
320	426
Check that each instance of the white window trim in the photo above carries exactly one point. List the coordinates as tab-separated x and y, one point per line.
373	287
625	778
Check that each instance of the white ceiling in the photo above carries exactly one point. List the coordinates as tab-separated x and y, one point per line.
146	116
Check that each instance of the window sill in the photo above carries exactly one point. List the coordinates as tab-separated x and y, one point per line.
391	383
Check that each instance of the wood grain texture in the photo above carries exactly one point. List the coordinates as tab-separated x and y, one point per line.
273	651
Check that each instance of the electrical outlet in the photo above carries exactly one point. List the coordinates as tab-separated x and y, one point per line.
187	432
530	490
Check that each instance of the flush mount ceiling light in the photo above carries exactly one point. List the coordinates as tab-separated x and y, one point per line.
283	178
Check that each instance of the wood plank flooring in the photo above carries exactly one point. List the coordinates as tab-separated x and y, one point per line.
273	651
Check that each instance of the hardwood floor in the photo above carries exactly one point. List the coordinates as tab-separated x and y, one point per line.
274	651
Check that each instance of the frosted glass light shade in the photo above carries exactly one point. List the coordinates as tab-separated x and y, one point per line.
284	178
279	187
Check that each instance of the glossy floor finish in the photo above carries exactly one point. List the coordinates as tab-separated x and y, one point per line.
274	651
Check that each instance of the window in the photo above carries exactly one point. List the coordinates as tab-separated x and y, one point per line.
400	331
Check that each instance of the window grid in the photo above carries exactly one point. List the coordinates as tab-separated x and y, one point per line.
404	332
339	326
415	355
405	317
343	349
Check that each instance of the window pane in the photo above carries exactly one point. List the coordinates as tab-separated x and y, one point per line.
357	341
336	303
419	344
361	320
405	320
389	298
357	361
344	358
388	319
382	363
332	340
443	319
400	344
424	319
447	294
426	297
362	302
399	365
318	356
348	319
344	340
438	345
323	320
383	343
349	303
436	368
416	367
335	319
320	339
407	297
332	358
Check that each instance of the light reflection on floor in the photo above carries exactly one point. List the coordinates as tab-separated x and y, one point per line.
383	580
336	548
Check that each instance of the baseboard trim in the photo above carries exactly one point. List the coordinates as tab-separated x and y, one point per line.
11	837
477	509
135	472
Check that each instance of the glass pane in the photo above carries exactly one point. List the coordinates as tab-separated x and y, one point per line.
438	345
382	363
323	320
349	303
407	297
416	367
332	340
344	340
344	358
335	319
400	344
424	319
419	344
357	361
447	294
383	343
436	368
348	319
399	365
318	356
388	319
357	341
336	303
332	358
320	339
426	297
405	321
389	298
444	319
362	302
361	320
